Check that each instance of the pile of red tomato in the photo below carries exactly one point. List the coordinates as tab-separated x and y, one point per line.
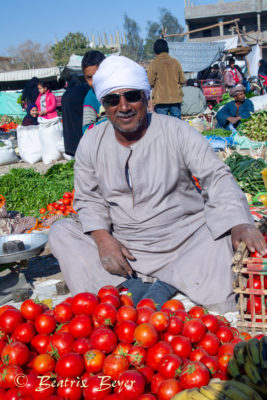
8	127
62	206
96	347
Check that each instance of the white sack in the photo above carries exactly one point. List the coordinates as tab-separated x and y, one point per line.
7	153
29	143
259	102
51	139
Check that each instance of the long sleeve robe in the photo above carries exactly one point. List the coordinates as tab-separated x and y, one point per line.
176	234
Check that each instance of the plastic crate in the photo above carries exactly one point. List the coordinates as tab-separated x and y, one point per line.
252	302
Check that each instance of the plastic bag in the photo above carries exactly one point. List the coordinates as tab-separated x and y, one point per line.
259	102
51	139
218	142
243	142
29	143
7	153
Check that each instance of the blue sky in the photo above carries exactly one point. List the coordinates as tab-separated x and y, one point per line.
46	21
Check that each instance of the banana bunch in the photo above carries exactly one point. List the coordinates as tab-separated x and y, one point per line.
223	390
249	364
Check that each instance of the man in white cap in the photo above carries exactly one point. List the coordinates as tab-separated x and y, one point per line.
139	212
230	115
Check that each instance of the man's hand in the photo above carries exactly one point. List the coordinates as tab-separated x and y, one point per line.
233	120
113	254
251	236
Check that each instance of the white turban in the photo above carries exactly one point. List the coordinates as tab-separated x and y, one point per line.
118	72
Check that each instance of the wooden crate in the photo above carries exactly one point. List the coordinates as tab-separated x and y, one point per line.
246	270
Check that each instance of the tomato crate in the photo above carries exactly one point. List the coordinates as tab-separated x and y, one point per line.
251	286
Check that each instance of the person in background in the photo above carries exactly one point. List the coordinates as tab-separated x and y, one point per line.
139	214
262	71
30	92
72	114
230	115
91	106
232	75
32	116
46	102
194	101
215	72
166	78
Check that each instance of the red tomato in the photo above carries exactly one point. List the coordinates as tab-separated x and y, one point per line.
211	322
175	325
223	361
167	336
66	202
15	353
10	319
108	289
105	314
70	390
169	366
45	324
160	320
43	363
147	372
115	365
197	354
84	303
221	375
94	360
111	299
147	303
156	353
173	305
50	207
81	346
145	335
136	356
103	339
155	382
42	210
181	346
245	336
8	375
144	314
80	326
226	348
194	374
97	388
225	334
62	343
70	365
194	330
24	332
63	313
250	308
122	348
126	313
210	343
132	385
197	312
40	343
182	314
257	254
126	300
67	195
125	331
168	389
211	363
147	396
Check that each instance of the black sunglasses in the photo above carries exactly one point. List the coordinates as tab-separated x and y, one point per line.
112	100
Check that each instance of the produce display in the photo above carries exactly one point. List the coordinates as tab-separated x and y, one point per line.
102	347
255	127
8	123
217	132
27	191
247	172
226	98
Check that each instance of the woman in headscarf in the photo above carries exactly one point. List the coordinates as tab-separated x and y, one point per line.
32	115
30	92
262	72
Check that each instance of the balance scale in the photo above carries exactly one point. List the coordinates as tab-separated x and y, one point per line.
14	278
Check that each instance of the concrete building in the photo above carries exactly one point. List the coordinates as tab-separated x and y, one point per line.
252	15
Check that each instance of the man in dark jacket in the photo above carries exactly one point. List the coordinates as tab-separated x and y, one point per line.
166	78
230	115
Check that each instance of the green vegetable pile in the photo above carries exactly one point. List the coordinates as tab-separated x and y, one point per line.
255	127
5	119
247	172
217	132
27	191
226	98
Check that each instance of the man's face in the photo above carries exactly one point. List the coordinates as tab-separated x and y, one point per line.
128	117
88	74
240	96
232	65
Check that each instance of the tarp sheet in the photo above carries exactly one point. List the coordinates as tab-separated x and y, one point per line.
196	57
9	105
27	74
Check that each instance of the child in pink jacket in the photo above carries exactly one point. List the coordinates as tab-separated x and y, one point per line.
46	102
